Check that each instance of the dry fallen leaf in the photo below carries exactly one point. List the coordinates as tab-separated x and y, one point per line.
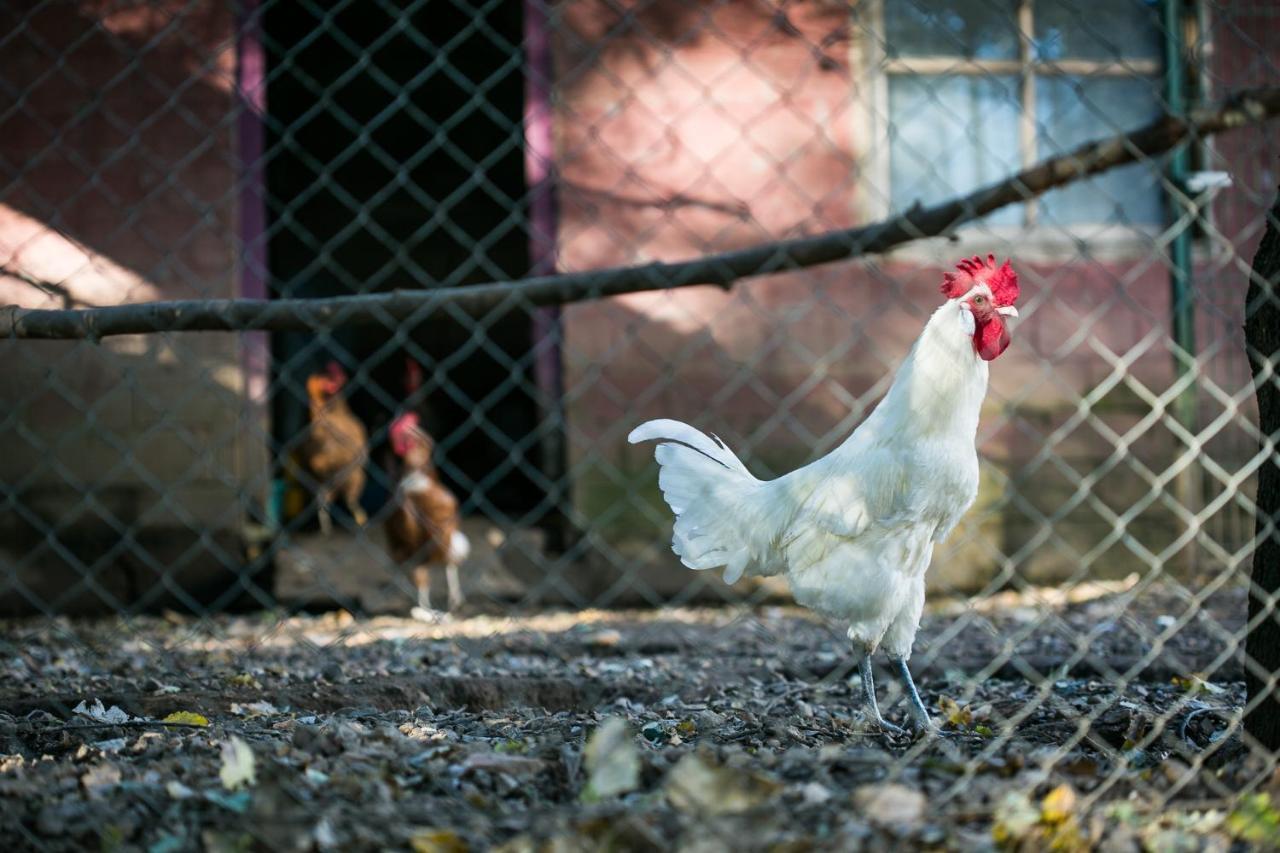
99	714
612	761
1195	684
429	840
324	835
1020	824
1058	805
815	793
958	716
238	765
189	718
178	791
500	762
98	777
697	787
891	804
1015	819
1255	819
605	638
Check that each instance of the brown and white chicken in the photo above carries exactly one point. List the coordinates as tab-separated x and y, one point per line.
423	528
336	447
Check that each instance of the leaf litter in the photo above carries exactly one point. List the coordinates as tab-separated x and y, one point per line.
670	729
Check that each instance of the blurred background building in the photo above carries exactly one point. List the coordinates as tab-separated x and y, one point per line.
164	150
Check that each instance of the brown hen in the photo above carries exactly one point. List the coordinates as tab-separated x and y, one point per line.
336	447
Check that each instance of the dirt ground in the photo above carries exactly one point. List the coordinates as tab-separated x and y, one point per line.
1108	723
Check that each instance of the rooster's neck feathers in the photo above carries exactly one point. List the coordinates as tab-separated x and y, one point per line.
939	387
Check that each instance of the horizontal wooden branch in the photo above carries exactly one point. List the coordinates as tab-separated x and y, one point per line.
723	270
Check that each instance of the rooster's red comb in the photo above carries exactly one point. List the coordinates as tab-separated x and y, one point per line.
402	432
336	373
1002	280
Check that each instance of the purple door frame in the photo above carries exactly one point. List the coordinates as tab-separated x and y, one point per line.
543	218
251	110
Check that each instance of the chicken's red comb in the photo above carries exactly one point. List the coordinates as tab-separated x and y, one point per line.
1002	280
401	433
336	373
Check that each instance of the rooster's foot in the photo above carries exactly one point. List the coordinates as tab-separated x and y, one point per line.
919	721
431	617
888	727
923	729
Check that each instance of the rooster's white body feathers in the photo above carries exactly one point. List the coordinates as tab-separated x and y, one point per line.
853	531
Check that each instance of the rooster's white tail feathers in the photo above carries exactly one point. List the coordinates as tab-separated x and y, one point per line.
716	501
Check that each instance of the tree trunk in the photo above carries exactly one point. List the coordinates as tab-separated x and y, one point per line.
1262	340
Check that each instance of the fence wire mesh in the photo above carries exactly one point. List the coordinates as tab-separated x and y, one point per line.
207	524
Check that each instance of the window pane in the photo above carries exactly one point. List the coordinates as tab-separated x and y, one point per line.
949	135
1074	110
976	29
1103	30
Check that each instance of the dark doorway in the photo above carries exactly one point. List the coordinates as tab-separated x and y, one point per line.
395	161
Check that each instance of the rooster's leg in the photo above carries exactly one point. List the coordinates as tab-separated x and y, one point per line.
455	587
326	523
422	580
869	693
351	496
919	715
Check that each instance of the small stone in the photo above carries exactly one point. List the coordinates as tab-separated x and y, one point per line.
653	732
710	720
305	736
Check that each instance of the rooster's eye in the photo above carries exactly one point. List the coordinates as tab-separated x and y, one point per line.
979	300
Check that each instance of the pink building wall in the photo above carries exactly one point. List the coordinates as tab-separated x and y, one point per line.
694	128
681	128
121	184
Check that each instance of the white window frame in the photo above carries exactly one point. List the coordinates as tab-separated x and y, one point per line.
872	143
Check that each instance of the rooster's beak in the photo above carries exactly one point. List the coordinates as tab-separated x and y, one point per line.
1008	311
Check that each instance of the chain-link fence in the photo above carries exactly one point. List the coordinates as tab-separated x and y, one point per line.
253	530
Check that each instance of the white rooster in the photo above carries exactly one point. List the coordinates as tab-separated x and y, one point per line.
854	531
